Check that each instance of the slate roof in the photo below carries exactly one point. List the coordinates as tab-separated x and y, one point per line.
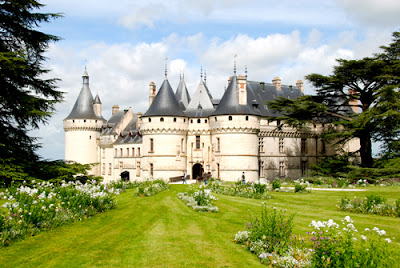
97	99
165	103
229	104
130	134
109	127
83	108
201	104
182	94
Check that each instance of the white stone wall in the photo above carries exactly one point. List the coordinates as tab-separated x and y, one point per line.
81	141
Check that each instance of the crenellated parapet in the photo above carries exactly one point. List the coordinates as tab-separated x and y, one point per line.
287	134
82	124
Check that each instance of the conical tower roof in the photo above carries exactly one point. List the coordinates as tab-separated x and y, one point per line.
165	103
83	108
201	104
182	94
229	103
97	99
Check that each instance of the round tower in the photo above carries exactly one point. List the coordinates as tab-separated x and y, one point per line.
234	127
163	129
82	128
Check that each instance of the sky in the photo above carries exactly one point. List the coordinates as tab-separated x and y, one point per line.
124	46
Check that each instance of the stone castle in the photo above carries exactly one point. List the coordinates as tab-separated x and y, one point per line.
195	134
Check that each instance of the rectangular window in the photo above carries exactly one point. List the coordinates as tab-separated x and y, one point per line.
151	145
151	170
218	145
120	150
303	145
133	151
104	154
116	152
261	144
109	169
281	145
281	168
197	142
261	169
104	169
138	151
303	167
182	148
138	169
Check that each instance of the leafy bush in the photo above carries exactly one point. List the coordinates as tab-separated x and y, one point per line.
47	205
199	198
150	187
276	184
343	246
372	174
248	190
371	204
300	186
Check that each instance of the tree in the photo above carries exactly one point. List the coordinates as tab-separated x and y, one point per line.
26	98
365	84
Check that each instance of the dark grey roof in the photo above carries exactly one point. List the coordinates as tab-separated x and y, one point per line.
258	93
201	104
229	103
109	127
182	94
83	108
97	99
130	134
165	103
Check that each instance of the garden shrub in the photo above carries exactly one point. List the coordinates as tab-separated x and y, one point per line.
371	204
199	198
276	184
150	187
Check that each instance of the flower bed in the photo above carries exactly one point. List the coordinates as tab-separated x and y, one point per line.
248	190
371	204
46	205
331	244
150	188
199	198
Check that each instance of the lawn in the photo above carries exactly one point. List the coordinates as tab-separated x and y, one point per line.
161	231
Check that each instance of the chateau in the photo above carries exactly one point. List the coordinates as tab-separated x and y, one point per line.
195	134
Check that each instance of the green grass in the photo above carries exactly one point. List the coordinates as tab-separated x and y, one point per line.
161	231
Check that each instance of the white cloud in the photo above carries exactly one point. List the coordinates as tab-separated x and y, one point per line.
372	12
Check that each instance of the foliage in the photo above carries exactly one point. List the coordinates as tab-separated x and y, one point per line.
332	166
300	186
371	85
371	204
47	205
372	174
199	198
26	98
276	184
248	190
343	246
151	187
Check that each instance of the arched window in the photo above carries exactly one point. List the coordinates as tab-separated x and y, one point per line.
215	119
205	121
84	121
162	119
174	119
191	121
198	121
149	119
247	118
230	118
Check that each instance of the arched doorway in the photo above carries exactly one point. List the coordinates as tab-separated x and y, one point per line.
197	171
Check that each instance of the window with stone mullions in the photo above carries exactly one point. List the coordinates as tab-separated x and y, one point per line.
197	142
281	145
261	144
303	145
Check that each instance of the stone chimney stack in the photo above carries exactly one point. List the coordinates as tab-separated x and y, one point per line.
277	82
300	85
115	109
353	101
152	92
241	90
139	120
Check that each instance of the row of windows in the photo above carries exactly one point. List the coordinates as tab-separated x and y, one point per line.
303	145
303	167
128	152
84	121
230	118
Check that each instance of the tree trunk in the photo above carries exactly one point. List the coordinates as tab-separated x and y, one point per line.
366	150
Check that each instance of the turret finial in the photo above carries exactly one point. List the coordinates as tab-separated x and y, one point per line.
234	64
201	73
205	77
245	71
166	71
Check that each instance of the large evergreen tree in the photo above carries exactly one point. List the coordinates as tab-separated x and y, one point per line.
26	98
371	84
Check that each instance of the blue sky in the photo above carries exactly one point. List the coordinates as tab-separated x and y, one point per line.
124	45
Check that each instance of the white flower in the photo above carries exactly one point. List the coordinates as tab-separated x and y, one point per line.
388	240
367	229
363	237
348	219
355	239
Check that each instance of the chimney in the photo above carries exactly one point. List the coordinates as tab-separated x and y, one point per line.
241	88
300	85
277	82
115	109
152	92
353	101
139	120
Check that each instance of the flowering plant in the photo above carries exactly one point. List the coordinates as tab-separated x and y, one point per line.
199	198
150	188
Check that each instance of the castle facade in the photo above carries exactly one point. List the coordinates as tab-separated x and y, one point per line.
195	134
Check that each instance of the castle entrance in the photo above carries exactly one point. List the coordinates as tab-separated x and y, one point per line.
197	171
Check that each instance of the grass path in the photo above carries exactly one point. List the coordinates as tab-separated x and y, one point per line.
161	231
